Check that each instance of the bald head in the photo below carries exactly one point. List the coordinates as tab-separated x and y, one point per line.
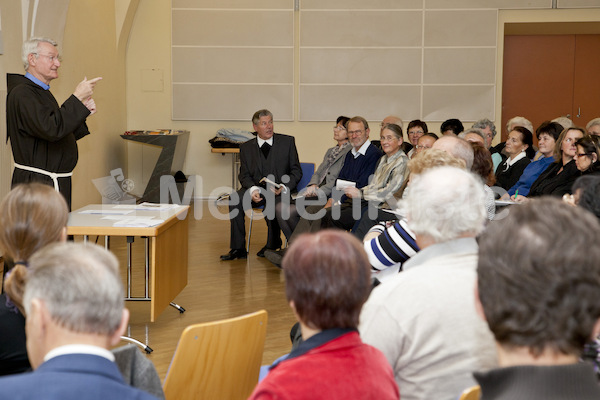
391	119
456	147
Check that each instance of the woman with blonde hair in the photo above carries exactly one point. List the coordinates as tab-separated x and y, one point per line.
31	216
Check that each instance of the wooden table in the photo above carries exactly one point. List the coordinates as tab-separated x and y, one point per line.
166	255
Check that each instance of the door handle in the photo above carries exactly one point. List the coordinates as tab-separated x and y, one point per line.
578	112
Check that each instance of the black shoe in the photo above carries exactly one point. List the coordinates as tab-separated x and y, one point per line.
275	256
233	254
261	252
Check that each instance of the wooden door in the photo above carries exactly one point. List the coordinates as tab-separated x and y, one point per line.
548	76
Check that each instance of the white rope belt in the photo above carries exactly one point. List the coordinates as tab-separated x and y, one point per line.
53	175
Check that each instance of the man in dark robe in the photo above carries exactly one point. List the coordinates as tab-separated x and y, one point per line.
43	134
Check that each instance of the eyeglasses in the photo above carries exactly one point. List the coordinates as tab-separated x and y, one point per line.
352	133
51	58
339	128
416	133
583	155
422	147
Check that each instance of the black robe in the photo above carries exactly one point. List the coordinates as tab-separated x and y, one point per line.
42	133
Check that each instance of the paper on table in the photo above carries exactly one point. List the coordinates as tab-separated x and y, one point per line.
138	223
107	211
155	207
341	184
129	217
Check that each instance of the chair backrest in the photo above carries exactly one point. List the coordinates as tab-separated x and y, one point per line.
308	169
472	393
218	360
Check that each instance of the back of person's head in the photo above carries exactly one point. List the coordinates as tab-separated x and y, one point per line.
486	123
432	158
587	191
518	121
564	122
478	135
483	166
457	147
445	203
550	128
327	277
342	119
453	125
591	124
539	277
31	216
80	286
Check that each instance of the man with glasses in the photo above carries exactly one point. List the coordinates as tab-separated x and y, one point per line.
43	134
359	165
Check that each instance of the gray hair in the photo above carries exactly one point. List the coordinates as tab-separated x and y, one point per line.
476	131
261	113
563	121
485	123
80	286
594	122
456	147
444	203
519	121
31	46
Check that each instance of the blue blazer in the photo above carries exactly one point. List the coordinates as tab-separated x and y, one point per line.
71	377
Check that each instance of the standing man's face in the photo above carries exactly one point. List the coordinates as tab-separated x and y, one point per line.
264	128
45	65
357	134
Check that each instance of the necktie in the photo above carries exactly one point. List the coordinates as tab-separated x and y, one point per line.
266	147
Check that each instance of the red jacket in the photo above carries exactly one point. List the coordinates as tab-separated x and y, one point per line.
342	368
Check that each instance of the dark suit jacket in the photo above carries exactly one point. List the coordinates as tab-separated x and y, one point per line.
282	160
71	377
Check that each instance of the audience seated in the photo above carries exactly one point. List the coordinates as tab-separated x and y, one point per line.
390	175
474	135
547	134
489	130
593	127
586	193
483	167
557	179
389	245
519	148
31	216
416	129
451	126
359	165
74	305
327	281
587	157
424	319
425	142
538	290
510	124
323	179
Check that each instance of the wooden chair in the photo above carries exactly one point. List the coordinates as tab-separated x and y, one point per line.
472	393
218	360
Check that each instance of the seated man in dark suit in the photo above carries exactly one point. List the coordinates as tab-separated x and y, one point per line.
270	155
74	305
538	281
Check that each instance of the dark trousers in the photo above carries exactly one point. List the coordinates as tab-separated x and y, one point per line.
238	224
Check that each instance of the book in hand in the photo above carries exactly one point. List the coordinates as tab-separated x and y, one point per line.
270	182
